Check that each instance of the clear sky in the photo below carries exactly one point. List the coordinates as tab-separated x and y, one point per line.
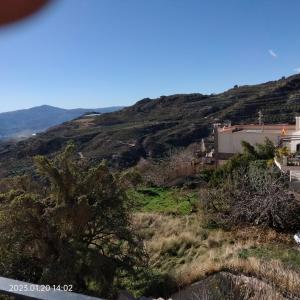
97	53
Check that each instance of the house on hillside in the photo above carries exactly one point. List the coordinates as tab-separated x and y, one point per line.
228	138
228	141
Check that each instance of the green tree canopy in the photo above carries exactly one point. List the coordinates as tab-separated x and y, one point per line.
75	231
259	152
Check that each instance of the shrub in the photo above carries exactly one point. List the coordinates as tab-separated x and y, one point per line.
261	152
254	196
179	164
78	232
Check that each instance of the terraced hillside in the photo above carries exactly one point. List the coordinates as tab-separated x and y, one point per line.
150	128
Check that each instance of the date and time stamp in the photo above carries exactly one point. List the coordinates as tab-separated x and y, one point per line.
39	288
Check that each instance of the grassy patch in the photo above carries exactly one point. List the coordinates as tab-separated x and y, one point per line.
162	200
183	248
288	256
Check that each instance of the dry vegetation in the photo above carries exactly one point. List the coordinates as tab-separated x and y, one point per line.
259	196
188	251
85	122
176	165
241	225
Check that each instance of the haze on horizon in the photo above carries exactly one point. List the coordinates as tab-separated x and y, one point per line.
114	52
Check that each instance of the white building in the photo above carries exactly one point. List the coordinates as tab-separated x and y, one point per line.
228	139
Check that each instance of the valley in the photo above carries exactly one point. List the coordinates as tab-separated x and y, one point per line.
21	124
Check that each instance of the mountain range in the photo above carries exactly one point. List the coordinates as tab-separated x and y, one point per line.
153	127
23	123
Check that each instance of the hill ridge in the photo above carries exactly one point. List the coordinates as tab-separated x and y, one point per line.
152	127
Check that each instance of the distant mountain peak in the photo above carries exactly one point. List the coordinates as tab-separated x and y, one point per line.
25	122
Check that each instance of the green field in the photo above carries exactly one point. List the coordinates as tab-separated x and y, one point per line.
163	200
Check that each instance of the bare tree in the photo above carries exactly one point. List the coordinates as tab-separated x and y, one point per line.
256	196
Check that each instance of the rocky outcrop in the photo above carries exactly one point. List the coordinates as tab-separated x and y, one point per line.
223	286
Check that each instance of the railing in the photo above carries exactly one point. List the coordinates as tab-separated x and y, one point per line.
24	290
287	162
294	161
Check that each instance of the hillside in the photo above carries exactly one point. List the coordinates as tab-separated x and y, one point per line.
25	122
150	128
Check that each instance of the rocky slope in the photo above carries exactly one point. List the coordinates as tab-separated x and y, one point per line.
150	128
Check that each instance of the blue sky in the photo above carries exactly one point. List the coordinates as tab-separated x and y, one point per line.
97	53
